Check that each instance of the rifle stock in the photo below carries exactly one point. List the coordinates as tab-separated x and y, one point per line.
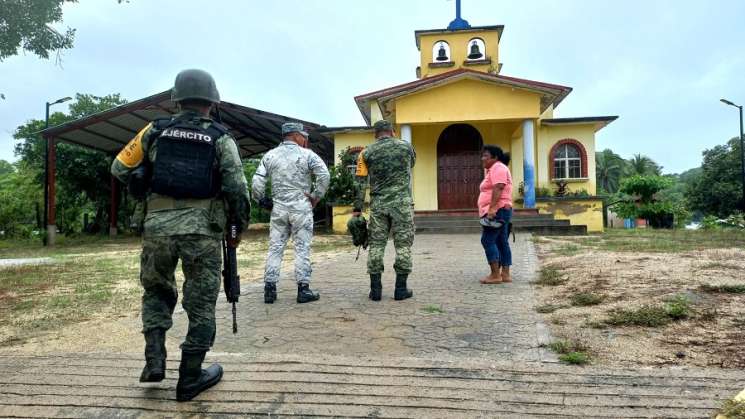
230	278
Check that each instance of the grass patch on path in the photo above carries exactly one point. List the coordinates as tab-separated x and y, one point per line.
571	351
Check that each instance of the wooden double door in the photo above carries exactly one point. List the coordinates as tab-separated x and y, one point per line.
459	169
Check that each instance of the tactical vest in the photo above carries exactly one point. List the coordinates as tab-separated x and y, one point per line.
185	165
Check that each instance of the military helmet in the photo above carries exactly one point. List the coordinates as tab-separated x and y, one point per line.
357	227
195	84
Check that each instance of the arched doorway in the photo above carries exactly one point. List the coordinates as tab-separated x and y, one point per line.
459	170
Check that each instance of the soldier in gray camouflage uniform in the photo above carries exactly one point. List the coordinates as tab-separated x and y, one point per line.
290	167
189	173
387	165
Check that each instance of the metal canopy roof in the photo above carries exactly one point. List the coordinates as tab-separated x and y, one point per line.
254	130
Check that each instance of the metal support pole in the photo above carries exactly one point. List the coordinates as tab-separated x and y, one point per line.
46	179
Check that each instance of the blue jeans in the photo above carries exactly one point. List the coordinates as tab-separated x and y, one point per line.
496	241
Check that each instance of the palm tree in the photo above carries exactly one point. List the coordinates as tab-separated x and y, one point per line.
643	166
609	168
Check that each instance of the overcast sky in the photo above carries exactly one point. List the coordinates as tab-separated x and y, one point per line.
661	65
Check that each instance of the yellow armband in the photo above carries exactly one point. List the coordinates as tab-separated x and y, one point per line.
132	154
361	166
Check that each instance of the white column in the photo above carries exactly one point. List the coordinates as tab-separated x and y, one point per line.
406	133
528	163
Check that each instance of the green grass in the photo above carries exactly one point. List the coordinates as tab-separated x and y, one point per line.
548	308
433	309
648	316
724	289
663	241
575	358
571	351
583	299
550	276
679	307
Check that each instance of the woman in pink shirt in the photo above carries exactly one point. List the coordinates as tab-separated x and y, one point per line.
495	203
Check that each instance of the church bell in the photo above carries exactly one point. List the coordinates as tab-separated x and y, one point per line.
475	53
441	53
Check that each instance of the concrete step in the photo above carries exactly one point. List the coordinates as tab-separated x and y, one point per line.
418	218
471	223
545	230
468	221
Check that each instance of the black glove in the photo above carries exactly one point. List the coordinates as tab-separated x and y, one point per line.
266	203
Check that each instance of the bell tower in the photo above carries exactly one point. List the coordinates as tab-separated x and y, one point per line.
460	45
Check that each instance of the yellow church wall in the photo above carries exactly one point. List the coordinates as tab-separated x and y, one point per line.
344	140
467	100
550	135
579	211
459	50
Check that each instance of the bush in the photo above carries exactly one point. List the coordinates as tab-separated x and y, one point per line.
343	186
678	308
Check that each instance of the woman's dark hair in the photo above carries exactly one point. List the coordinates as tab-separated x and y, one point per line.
497	153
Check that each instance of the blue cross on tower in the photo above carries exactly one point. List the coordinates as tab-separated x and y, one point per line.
458	23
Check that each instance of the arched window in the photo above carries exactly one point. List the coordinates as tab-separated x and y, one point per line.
568	160
476	49
440	52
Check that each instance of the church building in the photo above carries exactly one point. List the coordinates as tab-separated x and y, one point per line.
460	101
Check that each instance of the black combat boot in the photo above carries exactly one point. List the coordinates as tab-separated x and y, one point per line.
401	292
192	379
376	287
270	292
155	356
305	294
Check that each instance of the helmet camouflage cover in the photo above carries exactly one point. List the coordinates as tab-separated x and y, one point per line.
195	84
357	227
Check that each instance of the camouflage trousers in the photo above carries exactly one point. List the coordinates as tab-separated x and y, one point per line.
201	260
400	222
285	224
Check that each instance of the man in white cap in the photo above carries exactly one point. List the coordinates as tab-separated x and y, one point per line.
291	168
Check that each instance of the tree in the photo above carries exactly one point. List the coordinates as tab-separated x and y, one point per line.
83	177
718	189
24	24
643	166
609	169
21	199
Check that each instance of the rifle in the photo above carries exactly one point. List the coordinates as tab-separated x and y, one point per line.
230	279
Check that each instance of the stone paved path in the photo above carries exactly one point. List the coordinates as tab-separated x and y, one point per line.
451	315
458	349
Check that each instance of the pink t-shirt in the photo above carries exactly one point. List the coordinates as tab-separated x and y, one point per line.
498	173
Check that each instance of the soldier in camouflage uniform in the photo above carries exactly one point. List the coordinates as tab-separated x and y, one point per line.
290	167
191	173
387	164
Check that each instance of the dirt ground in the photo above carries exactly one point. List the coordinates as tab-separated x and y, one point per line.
712	335
88	297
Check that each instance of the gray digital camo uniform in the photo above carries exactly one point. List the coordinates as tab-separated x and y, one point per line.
289	168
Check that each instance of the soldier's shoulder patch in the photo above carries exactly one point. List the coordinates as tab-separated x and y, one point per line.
133	153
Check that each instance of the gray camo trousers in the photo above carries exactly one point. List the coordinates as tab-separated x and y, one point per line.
286	224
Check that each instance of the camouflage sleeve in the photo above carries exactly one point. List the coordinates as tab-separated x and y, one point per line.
360	182
258	183
131	156
321	172
234	185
